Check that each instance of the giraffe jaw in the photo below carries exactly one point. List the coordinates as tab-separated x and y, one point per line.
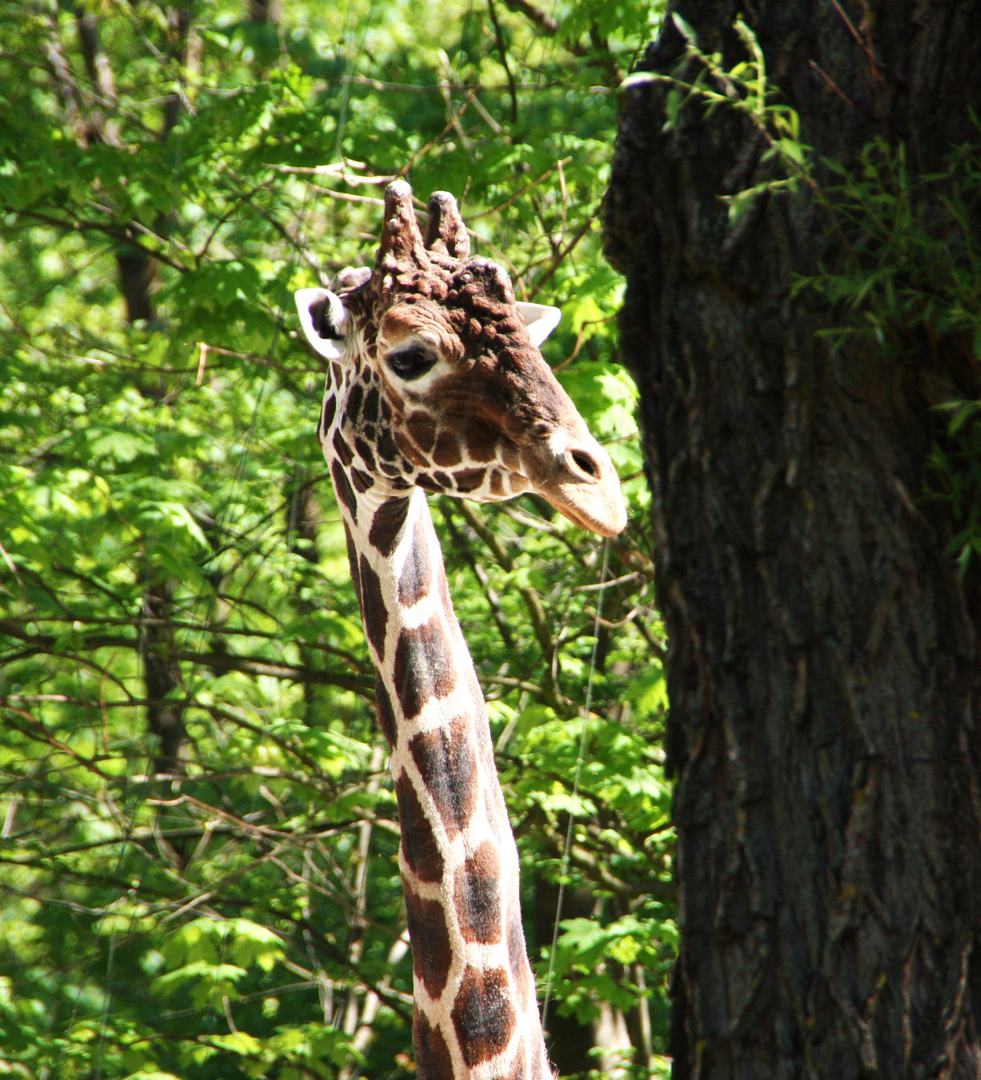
607	518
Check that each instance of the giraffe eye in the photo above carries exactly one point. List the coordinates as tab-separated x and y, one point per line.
412	362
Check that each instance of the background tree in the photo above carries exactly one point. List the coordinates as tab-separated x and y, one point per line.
795	206
197	833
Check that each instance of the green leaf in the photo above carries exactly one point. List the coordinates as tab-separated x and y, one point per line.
123	446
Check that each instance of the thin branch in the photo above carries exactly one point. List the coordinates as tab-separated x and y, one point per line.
66	83
502	49
217	629
493	601
44	644
96	62
545	23
250	665
501	554
831	83
562	254
117	232
457	87
519	194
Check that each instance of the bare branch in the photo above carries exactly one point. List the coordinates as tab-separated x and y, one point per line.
502	49
545	23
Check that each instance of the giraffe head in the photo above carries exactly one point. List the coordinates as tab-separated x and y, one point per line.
436	379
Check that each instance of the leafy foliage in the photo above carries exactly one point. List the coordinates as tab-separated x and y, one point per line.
703	80
198	837
910	286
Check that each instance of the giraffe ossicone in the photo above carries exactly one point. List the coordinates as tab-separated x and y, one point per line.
435	383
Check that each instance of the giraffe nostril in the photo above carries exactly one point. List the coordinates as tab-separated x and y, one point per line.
584	463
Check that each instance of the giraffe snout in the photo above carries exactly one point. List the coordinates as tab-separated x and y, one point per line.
578	478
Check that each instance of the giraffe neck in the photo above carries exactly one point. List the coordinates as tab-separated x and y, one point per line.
476	1011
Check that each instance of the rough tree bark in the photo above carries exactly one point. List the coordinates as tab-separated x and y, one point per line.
825	668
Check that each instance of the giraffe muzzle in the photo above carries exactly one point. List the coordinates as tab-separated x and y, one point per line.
579	480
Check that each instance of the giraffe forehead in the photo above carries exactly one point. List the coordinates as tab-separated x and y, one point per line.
427	320
468	311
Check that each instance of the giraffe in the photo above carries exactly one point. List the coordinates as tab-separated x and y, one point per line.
435	383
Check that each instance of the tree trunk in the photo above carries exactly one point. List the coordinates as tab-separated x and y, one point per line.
824	670
162	677
302	523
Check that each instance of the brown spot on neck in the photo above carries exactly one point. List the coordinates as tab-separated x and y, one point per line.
387	524
364	452
422	427
371	407
419	845
433	1059
430	940
468	480
417	573
477	896
448	767
352	409
327	416
409	448
386	715
345	493
362	481
341	448
374	614
386	445
446	452
481	443
352	559
424	666
483	1015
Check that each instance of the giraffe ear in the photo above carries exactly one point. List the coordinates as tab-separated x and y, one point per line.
324	320
540	320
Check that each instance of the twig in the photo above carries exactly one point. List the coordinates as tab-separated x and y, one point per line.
559	257
435	141
337	169
501	554
860	39
831	83
444	89
348	196
607	584
544	22
118	232
502	49
515	196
